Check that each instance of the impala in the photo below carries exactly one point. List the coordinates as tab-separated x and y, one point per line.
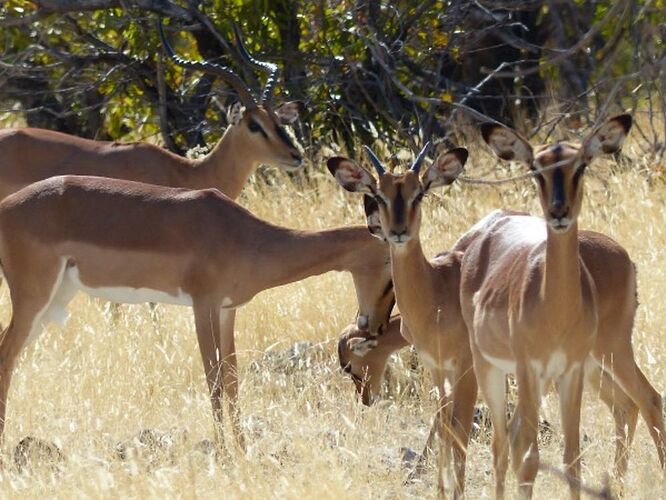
532	306
256	135
622	387
132	242
429	304
366	366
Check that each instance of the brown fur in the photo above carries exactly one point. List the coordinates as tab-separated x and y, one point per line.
126	234
30	155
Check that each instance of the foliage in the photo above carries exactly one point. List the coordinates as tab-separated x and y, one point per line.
399	71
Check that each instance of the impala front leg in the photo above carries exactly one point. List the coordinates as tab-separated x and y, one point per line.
230	371
216	344
571	392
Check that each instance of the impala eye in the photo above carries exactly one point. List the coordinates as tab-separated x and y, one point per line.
418	198
255	127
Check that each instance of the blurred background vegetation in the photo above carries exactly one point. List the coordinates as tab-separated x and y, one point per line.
367	70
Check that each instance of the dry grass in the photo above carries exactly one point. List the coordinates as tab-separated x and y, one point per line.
95	384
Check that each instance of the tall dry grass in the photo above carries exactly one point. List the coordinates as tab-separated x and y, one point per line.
96	383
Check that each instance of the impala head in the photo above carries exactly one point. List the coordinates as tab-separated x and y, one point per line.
366	369
261	125
558	167
393	200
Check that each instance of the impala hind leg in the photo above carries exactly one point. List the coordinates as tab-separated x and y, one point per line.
215	333
492	383
571	392
623	408
621	364
464	396
31	298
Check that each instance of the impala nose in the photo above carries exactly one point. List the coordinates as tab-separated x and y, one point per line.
558	210
398	236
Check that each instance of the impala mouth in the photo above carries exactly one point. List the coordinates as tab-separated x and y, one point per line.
399	240
560	225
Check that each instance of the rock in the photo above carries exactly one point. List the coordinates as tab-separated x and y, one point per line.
32	453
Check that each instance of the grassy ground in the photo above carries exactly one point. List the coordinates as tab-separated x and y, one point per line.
96	383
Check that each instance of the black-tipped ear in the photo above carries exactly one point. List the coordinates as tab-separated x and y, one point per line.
371	208
487	130
607	138
506	143
288	112
625	120
461	153
445	169
350	175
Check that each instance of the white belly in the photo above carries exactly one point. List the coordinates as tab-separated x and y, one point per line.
128	295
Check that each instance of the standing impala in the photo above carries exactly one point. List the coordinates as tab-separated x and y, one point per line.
532	306
611	371
131	242
426	291
255	136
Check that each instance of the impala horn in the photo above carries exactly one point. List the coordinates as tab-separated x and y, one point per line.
270	68
226	74
375	161
416	166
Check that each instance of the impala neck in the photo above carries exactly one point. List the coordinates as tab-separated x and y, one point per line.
412	277
288	255
227	167
561	285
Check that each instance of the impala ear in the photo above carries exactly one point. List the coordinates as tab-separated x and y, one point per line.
235	113
608	138
351	176
506	143
288	112
372	217
445	169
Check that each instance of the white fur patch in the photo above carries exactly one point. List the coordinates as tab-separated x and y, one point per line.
128	295
504	365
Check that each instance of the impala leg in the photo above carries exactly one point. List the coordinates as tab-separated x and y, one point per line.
444	419
464	396
13	338
621	364
215	333
624	410
571	393
29	303
230	371
524	431
492	383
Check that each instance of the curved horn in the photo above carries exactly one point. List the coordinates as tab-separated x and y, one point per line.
375	161
416	166
270	68
215	69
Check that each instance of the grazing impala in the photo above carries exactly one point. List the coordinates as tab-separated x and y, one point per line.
426	291
366	367
255	136
132	242
532	306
